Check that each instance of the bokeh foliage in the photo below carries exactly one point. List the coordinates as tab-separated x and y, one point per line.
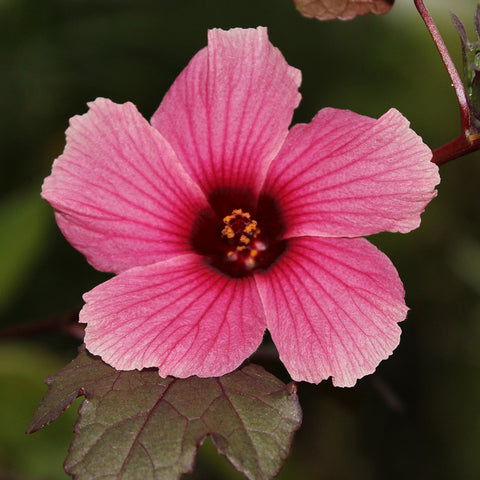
418	416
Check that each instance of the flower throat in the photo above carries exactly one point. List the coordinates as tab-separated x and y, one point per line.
239	241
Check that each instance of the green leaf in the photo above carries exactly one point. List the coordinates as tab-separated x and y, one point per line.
138	425
341	9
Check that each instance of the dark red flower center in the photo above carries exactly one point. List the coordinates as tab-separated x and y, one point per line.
242	240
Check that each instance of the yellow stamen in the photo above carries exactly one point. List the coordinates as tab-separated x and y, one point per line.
240	227
251	227
228	232
239	211
232	256
250	263
244	239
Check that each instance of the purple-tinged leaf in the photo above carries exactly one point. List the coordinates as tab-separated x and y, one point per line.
341	9
460	29
65	386
138	425
471	66
466	45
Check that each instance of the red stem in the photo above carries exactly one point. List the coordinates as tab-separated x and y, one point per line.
452	71
456	148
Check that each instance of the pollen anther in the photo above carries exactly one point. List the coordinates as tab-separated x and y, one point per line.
252	227
250	263
241	233
232	256
228	232
241	226
244	239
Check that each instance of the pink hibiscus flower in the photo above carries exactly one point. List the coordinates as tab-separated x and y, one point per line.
220	222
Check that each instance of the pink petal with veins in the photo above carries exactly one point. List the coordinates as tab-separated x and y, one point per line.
227	114
133	198
344	174
332	308
120	194
178	315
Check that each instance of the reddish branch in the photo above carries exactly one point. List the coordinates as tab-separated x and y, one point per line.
65	323
468	141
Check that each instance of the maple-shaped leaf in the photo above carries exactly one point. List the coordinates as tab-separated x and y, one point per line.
135	424
341	9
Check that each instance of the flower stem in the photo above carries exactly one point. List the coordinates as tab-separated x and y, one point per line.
447	61
468	141
456	148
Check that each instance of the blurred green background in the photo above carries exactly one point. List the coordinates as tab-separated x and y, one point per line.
418	417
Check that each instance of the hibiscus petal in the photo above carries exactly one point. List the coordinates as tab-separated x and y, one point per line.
179	315
349	175
228	112
332	308
121	196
